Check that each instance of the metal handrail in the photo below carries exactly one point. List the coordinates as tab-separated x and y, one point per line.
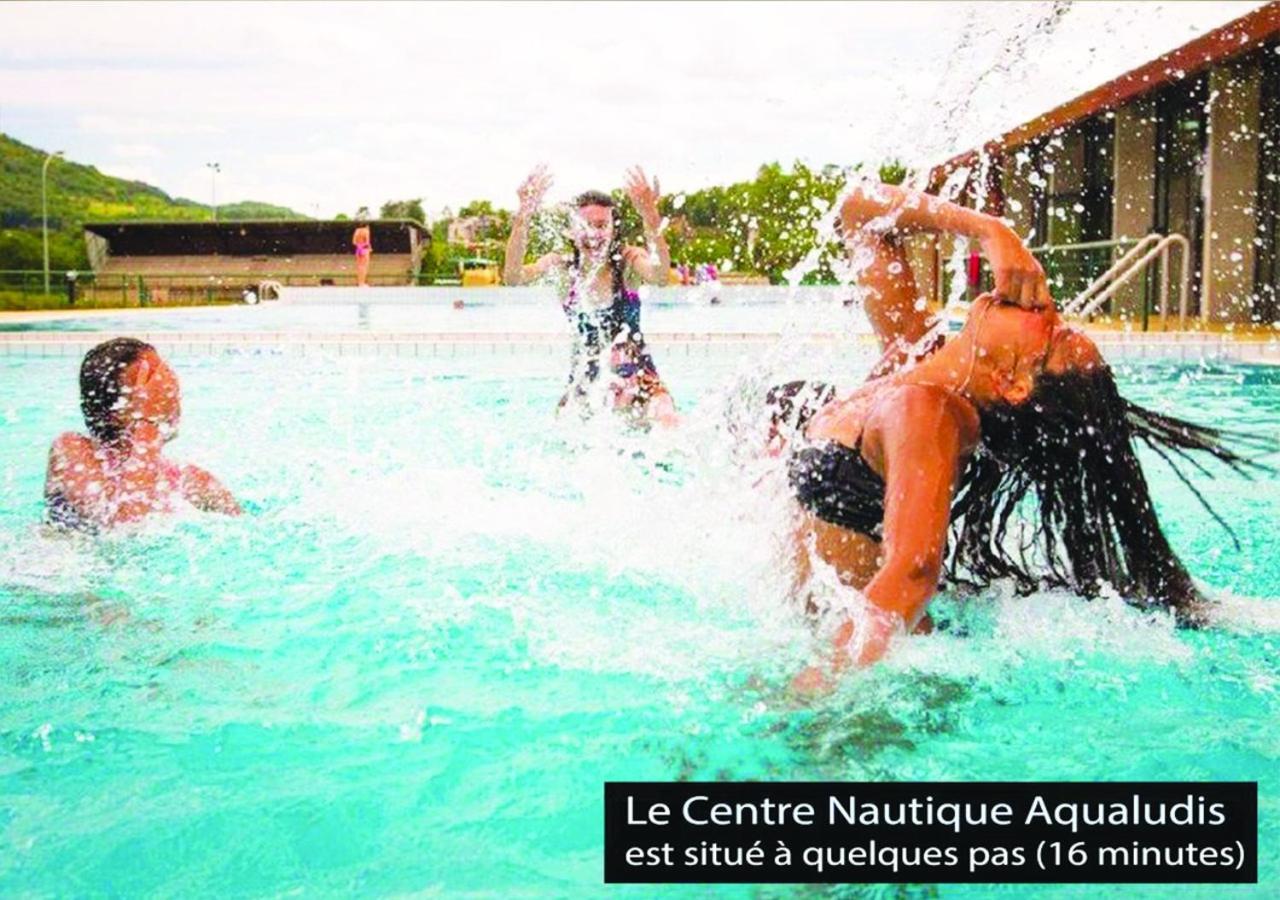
1119	266
1161	249
1087	245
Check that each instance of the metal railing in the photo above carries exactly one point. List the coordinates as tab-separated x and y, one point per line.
1073	268
1102	284
1133	264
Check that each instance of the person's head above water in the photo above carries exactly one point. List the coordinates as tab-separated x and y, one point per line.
124	382
1055	428
596	223
1004	352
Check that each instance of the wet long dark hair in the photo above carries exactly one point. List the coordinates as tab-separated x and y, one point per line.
100	380
792	405
617	268
1071	447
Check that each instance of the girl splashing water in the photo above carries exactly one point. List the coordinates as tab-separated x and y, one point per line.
1004	453
596	280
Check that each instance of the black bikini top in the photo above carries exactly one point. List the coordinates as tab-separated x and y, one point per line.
838	485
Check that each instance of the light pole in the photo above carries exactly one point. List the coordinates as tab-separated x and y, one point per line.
214	168
44	212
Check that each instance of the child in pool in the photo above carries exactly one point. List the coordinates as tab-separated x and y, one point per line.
117	473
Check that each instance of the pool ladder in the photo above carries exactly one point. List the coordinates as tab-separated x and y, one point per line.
1133	263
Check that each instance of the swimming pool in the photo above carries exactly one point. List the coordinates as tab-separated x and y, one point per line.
447	619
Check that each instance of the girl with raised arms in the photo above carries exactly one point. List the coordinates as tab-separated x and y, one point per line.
596	281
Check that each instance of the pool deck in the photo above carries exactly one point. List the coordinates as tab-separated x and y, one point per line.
1119	343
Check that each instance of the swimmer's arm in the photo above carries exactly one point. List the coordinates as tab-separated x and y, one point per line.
662	409
888	208
203	491
514	269
71	468
921	444
872	211
642	262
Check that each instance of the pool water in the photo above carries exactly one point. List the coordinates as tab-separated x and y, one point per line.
448	618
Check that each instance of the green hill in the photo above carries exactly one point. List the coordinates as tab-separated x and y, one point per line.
79	194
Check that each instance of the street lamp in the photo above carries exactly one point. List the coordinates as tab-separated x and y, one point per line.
44	212
214	168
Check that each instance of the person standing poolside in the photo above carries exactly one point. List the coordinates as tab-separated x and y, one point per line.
117	473
362	241
595	284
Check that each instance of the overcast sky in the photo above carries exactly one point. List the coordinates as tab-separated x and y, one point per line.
325	107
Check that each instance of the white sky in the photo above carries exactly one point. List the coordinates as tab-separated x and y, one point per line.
327	106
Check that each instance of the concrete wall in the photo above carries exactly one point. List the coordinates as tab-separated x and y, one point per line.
1231	180
1133	210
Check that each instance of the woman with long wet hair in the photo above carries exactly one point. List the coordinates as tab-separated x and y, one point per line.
1005	452
596	279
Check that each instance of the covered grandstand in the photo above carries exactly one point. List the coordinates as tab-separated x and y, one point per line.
158	262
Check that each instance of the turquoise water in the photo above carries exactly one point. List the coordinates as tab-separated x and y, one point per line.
448	619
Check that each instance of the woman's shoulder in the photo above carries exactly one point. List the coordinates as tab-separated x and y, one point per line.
73	446
913	407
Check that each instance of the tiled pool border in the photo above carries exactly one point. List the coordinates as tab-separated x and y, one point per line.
1185	347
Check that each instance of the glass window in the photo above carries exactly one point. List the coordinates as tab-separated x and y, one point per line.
1181	134
1267	275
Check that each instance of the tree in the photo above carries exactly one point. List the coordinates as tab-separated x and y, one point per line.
476	208
498	228
893	172
404	209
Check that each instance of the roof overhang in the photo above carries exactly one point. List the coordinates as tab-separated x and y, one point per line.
1233	39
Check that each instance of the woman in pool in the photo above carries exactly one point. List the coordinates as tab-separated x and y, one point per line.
362	241
595	282
117	473
924	470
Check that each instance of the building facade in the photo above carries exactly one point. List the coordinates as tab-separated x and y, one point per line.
1186	144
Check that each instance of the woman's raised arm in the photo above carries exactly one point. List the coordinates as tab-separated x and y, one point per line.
872	214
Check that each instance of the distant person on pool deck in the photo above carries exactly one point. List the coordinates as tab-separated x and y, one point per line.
596	278
117	473
362	241
930	468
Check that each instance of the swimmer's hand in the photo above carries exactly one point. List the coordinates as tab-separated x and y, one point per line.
854	651
813	683
662	409
205	492
1018	276
531	191
644	197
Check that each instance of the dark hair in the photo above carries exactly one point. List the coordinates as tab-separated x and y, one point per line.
616	265
1071	444
792	405
100	375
